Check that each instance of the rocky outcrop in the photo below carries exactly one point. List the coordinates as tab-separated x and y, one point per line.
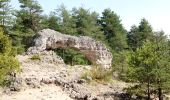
50	57
37	75
95	51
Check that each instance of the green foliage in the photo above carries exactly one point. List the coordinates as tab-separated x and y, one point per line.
5	44
97	73
28	22
86	23
138	35
113	30
8	63
29	16
72	57
35	57
79	21
149	65
20	41
67	24
120	63
5	13
138	90
51	22
6	47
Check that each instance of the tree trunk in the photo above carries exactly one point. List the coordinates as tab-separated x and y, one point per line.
148	89
160	94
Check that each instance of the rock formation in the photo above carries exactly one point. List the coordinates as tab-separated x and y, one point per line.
95	51
48	78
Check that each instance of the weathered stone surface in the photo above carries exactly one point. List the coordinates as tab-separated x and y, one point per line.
95	51
38	75
33	82
15	84
50	57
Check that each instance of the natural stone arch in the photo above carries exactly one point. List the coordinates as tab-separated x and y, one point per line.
72	57
95	51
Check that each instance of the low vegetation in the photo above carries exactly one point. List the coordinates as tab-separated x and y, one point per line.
8	63
35	57
98	74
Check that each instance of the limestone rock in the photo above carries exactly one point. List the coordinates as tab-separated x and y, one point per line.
40	78
95	51
16	84
33	82
50	57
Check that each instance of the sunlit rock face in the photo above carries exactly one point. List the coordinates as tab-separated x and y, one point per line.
95	51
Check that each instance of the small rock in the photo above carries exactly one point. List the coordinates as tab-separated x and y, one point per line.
33	82
7	91
89	78
81	81
15	84
47	81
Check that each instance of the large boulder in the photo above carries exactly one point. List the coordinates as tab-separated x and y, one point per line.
95	51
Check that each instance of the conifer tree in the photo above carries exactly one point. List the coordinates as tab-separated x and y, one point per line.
114	31
138	35
29	17
86	23
6	19
66	23
149	65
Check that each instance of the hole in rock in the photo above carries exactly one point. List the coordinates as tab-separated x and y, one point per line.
72	57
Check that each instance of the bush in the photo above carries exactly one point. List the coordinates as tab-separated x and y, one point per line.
120	64
72	57
35	57
20	49
5	44
98	73
137	90
8	63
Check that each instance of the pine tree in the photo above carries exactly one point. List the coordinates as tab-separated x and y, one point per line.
113	30
149	65
67	25
5	14
28	23
138	35
53	22
50	21
29	17
86	23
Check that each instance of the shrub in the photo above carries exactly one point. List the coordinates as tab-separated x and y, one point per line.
120	64
8	64
35	57
138	90
98	73
5	44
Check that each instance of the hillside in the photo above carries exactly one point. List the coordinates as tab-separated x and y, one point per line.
79	52
48	78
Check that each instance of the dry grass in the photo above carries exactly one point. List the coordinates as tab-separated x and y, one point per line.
98	74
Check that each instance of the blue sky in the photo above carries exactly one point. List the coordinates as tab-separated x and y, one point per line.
157	12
